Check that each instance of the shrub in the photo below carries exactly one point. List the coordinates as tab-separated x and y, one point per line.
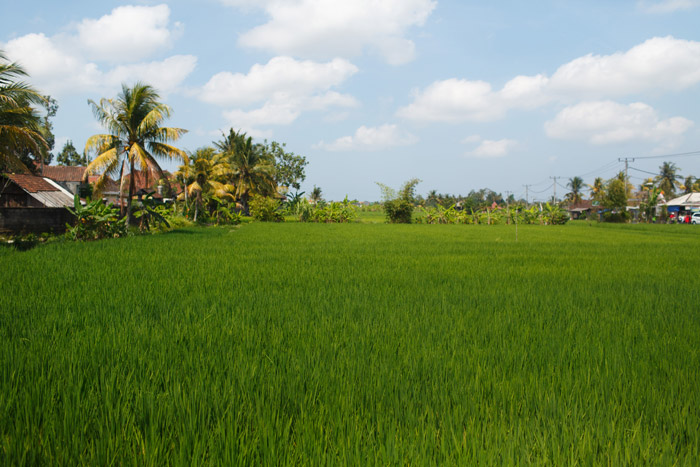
94	221
398	211
265	209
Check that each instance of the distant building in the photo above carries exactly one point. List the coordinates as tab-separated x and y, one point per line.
31	191
70	178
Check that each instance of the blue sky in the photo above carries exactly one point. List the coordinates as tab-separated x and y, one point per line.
461	94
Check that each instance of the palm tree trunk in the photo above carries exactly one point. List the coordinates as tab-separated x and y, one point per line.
121	190
131	193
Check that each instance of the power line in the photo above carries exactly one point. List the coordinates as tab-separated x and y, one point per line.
668	156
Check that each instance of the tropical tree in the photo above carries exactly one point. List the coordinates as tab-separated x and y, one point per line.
316	194
20	124
597	190
252	168
208	172
576	185
667	180
688	184
135	137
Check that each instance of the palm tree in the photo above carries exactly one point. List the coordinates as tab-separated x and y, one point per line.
252	168
20	124
688	184
667	180
316	194
597	189
576	185
208	172
135	139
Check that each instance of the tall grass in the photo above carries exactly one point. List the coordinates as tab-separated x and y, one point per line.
355	344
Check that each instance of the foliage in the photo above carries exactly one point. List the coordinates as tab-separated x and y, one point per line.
135	138
70	156
667	180
316	194
290	169
300	344
22	129
329	213
547	214
265	209
398	205
95	221
615	195
149	214
576	186
252	169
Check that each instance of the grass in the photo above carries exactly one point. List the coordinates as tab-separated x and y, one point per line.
355	344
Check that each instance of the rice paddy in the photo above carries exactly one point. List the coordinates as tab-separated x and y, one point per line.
355	344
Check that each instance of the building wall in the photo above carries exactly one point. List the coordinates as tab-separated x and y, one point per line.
16	220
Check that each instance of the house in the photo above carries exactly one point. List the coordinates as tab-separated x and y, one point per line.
31	191
70	178
581	209
29	203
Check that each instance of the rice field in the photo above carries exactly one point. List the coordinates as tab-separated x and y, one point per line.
356	344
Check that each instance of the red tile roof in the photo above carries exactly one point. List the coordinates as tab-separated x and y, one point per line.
61	173
31	183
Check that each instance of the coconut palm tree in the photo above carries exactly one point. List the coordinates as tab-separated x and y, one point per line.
667	180
20	124
597	189
208	172
253	169
576	185
688	184
316	194
135	137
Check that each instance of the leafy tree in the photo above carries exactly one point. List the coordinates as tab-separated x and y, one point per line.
21	130
289	167
576	185
70	156
135	139
667	180
398	206
253	170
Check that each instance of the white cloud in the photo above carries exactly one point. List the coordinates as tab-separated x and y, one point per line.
658	64
371	139
284	87
605	122
128	33
281	76
457	100
492	149
667	6
323	29
69	62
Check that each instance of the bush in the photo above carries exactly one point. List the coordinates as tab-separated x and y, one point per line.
398	211
265	209
616	217
334	212
95	220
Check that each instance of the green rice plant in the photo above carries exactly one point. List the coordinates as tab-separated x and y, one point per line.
354	344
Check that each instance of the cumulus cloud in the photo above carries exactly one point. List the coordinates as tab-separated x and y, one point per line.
282	76
658	64
604	122
490	148
457	100
667	6
72	61
371	139
323	29
279	91
127	33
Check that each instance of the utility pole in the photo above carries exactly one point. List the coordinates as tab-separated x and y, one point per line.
554	185
527	199
626	160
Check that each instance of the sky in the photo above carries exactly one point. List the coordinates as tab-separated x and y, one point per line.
461	94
